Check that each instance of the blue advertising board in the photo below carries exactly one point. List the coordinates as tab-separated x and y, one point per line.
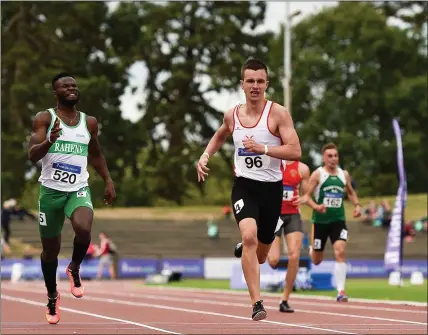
127	268
190	268
371	268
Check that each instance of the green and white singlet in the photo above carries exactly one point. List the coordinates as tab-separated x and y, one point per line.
330	192
64	167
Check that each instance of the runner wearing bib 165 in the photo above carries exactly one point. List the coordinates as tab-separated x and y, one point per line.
329	184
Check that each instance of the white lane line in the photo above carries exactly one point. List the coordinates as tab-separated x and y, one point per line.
36	303
212	301
194	311
303	303
294	295
140	285
217	302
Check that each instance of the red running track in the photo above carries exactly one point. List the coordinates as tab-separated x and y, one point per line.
129	307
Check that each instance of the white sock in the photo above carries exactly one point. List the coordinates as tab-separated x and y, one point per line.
340	272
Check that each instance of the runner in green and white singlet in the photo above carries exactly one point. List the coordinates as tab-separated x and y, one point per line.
329	184
64	167
330	192
65	140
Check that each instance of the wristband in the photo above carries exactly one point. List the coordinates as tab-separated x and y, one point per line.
266	149
49	140
207	154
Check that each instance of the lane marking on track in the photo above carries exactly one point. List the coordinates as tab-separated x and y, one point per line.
35	303
296	295
334	304
177	309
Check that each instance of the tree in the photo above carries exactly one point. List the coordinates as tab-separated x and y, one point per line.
190	49
351	75
40	39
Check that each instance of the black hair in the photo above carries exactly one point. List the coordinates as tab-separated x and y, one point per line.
59	76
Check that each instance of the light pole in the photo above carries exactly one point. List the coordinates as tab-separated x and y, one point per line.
287	55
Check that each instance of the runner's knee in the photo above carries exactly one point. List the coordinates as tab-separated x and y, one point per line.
273	261
262	258
82	229
339	253
249	239
50	253
293	255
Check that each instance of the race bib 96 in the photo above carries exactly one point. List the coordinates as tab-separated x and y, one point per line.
252	160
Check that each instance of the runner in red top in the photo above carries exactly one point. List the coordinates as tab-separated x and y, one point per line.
295	176
291	179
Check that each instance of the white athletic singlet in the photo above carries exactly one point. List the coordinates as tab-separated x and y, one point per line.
64	168
252	165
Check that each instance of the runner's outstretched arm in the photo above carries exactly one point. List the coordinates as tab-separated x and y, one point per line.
214	145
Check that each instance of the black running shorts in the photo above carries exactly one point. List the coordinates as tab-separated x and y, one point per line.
335	231
258	200
290	223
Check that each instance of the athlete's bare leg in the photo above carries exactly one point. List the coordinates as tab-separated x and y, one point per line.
262	251
294	244
275	252
340	267
250	262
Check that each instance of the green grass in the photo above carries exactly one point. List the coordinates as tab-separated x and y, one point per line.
355	288
379	289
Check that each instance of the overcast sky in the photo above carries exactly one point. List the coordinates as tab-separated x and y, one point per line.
274	17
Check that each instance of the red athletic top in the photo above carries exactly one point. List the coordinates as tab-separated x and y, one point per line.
291	179
104	247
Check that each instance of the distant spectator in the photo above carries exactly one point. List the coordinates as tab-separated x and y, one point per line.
27	253
90	253
8	210
21	212
369	213
212	229
105	252
421	225
5	249
387	213
409	231
227	211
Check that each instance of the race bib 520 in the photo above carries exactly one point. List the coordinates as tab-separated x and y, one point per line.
65	173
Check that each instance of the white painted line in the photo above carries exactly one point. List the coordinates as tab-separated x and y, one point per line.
222	303
245	293
187	310
334	304
35	303
212	301
294	295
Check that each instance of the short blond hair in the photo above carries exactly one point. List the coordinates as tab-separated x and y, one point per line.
328	146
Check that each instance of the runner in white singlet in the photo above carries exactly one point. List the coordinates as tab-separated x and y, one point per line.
263	134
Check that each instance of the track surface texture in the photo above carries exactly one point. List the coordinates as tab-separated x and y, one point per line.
130	307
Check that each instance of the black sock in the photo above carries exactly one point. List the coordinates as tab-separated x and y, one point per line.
49	274
79	252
